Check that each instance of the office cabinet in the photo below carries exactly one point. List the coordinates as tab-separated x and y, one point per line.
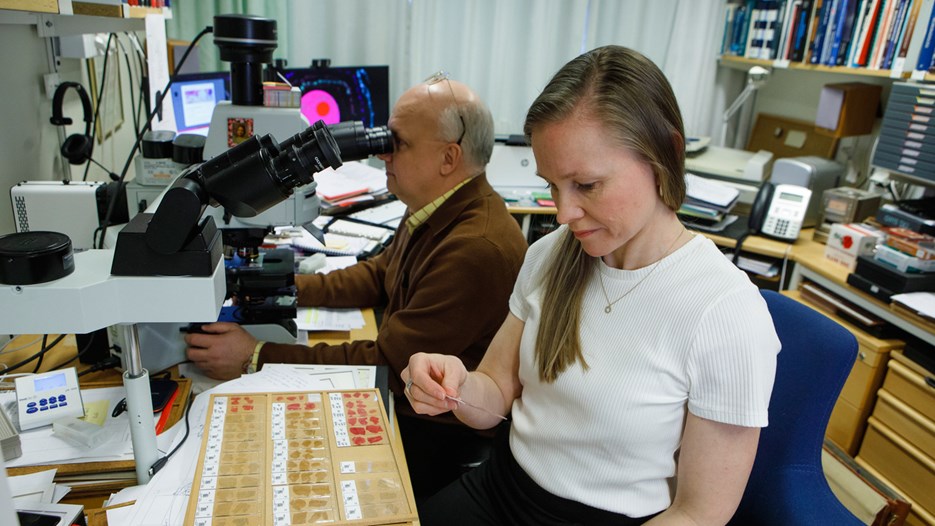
899	445
849	416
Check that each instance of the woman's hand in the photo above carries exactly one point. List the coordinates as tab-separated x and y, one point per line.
430	379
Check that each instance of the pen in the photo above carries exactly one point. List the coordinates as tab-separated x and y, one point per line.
164	416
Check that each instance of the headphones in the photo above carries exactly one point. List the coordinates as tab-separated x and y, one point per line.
76	148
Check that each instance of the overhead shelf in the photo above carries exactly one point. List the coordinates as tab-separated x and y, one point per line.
744	63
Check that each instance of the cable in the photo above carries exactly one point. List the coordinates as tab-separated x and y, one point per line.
45	337
42	351
146	127
107	363
100	93
111	174
4	350
79	354
126	60
162	461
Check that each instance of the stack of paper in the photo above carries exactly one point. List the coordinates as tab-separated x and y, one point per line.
708	203
352	181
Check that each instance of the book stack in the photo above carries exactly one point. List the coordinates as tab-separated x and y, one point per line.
895	35
708	204
907	137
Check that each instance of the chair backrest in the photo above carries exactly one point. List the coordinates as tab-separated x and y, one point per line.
787	485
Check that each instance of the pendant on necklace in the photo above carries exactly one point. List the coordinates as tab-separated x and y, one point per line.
607	309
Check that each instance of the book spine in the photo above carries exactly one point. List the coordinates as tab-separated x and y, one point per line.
882	33
835	33
863	52
783	27
847	34
860	18
928	45
726	38
895	31
910	28
916	35
791	28
820	32
771	30
799	43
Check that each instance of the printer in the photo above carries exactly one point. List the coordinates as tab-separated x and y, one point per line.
815	173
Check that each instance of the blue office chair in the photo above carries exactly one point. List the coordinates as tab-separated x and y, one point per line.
787	486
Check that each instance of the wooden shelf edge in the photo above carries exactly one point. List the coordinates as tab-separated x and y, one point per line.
738	62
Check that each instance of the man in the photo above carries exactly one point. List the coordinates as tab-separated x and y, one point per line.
444	281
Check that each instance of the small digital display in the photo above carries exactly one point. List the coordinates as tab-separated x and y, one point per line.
49	382
786	196
837	205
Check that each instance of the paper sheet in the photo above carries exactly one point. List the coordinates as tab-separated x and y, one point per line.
34	487
324	319
41	447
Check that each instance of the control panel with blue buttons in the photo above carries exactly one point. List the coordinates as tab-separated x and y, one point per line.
44	398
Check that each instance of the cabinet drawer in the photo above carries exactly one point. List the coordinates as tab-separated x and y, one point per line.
846	426
905	421
865	377
911	471
909	385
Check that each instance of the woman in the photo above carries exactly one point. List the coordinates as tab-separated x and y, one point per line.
637	361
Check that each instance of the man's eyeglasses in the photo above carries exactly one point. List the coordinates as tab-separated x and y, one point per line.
440	76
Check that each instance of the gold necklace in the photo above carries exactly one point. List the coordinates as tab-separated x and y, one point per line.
600	276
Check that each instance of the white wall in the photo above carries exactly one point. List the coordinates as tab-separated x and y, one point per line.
29	144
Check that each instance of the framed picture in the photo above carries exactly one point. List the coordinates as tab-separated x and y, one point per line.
110	114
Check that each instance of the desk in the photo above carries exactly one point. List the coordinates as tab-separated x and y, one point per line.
67	348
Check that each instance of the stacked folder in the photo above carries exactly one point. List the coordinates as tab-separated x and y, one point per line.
907	138
708	204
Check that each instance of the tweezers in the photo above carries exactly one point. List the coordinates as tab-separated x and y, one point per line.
472	406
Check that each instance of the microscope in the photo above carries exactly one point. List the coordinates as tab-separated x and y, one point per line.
261	285
167	265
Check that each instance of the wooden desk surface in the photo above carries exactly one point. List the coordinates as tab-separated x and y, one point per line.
67	348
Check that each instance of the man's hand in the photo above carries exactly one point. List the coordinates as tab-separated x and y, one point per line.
222	351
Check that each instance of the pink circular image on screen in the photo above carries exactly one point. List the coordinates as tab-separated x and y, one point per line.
320	105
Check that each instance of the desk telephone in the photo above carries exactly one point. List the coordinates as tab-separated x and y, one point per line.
778	211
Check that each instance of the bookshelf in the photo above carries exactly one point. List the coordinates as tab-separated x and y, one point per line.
886	39
96	8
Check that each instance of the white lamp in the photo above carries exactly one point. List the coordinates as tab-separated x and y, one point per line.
756	79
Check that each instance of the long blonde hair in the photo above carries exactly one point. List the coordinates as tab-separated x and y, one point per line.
632	99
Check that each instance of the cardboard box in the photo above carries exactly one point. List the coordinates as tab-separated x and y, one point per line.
847	108
846	241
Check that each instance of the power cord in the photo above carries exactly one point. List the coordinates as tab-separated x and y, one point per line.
39	354
139	137
107	363
159	464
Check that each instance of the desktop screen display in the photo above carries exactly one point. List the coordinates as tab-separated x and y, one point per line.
349	93
194	97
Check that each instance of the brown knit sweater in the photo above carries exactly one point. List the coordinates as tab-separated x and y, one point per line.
445	288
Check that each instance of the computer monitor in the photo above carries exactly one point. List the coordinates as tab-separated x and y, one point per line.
346	93
194	96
